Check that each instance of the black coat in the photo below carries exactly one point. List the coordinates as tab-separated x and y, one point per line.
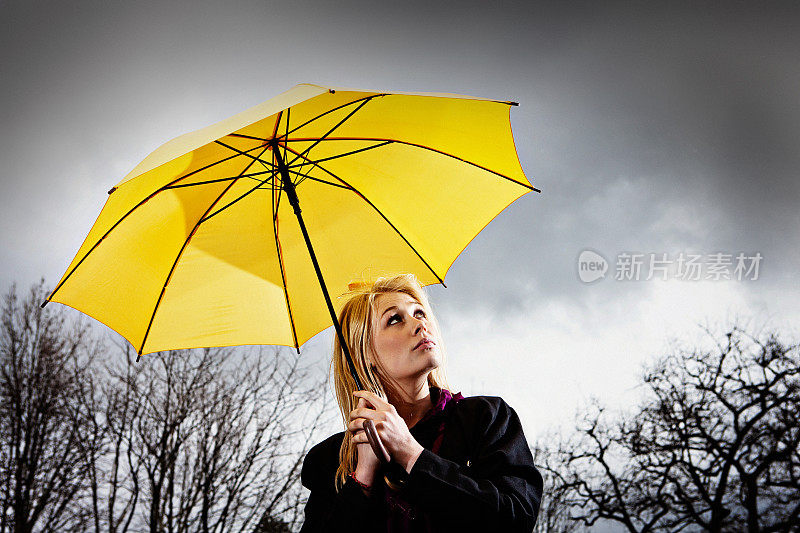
482	478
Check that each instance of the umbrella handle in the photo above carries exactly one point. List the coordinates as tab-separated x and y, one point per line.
375	442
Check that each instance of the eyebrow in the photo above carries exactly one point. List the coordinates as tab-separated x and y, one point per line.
395	307
388	309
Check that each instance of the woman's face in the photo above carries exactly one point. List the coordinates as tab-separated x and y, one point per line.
404	341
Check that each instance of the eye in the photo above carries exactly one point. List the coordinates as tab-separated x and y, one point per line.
418	313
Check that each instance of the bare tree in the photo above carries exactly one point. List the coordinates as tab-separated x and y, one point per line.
44	433
714	447
554	516
118	471
208	440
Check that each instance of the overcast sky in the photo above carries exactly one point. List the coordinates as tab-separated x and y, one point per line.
650	130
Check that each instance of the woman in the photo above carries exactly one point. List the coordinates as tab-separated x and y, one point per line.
458	464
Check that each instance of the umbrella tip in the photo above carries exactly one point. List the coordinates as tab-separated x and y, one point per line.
331	91
514	103
44	303
112	189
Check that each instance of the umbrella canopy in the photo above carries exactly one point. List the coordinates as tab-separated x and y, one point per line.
199	246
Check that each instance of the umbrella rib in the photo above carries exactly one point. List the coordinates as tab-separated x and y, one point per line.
246	193
320	139
317	179
240	152
345	184
183	247
309	121
264	163
251	176
362	101
416	145
134	208
243	136
288	111
382	216
254	158
275	205
337	156
299	181
277	125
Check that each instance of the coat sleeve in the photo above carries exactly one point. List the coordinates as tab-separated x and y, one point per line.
328	511
500	490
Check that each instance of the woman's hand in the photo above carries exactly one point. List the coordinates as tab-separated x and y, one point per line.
391	428
367	462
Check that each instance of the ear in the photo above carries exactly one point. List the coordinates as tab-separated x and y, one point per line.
371	358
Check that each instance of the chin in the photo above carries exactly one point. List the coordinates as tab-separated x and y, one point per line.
434	360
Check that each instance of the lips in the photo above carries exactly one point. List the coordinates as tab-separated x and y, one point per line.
425	342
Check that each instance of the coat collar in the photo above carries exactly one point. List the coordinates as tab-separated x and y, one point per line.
440	398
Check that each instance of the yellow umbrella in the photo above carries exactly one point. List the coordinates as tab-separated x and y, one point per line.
198	246
203	243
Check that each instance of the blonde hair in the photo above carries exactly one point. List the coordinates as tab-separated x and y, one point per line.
356	319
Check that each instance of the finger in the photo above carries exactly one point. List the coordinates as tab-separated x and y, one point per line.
364	412
356	425
376	401
363	403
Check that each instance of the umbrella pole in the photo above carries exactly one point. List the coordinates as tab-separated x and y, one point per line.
291	194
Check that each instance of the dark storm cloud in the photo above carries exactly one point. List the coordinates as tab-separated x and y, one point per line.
649	128
657	130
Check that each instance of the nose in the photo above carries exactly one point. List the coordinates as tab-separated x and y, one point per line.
420	325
